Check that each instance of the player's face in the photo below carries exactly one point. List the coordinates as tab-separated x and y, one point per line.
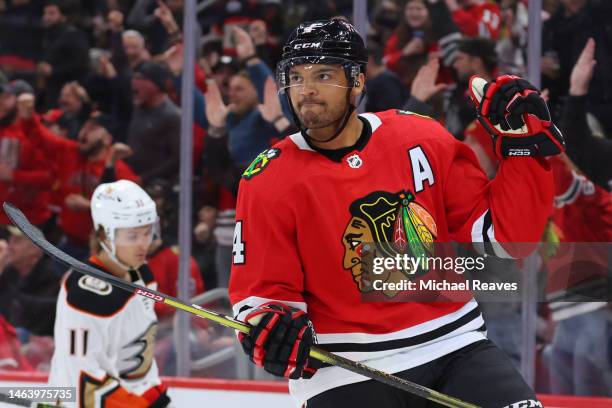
416	14
318	94
132	244
356	236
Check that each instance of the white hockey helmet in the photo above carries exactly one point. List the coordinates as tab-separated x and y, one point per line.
121	204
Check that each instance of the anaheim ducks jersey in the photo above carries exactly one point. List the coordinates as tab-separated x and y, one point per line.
302	216
104	339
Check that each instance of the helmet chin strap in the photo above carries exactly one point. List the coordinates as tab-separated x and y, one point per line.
112	255
304	130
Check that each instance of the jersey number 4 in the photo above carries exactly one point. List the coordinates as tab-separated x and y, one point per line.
238	247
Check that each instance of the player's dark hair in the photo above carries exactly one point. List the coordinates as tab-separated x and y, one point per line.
482	48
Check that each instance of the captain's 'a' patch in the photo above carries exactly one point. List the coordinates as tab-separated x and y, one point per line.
260	163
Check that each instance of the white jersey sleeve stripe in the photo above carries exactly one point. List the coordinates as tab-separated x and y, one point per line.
241	308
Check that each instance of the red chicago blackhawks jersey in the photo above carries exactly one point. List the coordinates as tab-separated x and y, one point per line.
302	216
480	20
581	218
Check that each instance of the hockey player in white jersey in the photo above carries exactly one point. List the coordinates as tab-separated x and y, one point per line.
104	336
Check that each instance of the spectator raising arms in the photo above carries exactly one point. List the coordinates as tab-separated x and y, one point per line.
591	154
81	166
25	172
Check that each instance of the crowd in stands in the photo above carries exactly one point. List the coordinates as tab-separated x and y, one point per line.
90	93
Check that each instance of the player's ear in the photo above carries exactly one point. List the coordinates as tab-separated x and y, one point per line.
359	85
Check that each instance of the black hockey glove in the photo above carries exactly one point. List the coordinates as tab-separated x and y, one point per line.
515	114
280	340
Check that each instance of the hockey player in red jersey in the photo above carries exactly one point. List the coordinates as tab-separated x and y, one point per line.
307	206
105	337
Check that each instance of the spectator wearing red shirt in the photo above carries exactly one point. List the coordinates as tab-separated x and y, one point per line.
577	282
476	18
11	356
25	175
164	263
163	257
408	47
81	166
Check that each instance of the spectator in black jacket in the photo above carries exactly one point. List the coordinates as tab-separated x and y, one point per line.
385	90
591	154
154	131
29	286
66	55
565	35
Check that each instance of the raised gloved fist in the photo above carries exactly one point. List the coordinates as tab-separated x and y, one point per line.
515	114
280	340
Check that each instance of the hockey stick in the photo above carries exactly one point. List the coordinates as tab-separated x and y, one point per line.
23	402
37	237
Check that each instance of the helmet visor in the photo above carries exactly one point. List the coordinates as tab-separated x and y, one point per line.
315	71
137	236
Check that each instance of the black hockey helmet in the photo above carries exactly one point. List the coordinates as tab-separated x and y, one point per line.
330	42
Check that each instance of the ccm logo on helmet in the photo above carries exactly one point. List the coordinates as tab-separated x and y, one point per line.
149	295
306	45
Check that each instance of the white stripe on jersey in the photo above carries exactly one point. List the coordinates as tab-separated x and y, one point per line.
390	352
254	301
301	143
479	238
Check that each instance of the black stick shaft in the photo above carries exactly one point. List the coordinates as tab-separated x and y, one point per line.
37	237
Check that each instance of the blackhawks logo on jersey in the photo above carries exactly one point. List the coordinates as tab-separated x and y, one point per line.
385	224
260	163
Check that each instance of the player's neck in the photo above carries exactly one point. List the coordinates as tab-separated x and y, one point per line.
348	137
113	267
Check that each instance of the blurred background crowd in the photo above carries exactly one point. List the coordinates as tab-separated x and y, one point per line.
90	93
